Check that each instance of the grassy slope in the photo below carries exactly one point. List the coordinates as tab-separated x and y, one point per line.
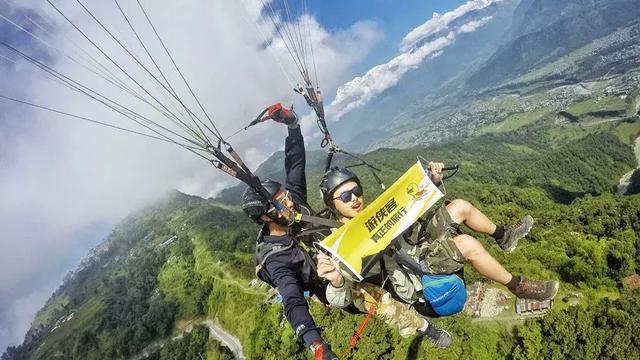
514	122
84	318
52	308
606	103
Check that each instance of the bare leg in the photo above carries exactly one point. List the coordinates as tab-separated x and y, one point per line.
462	211
481	260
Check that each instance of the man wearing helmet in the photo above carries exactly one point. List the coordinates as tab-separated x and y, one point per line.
399	304
437	244
280	262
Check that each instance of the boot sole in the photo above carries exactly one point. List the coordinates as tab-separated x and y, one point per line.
515	243
556	288
437	346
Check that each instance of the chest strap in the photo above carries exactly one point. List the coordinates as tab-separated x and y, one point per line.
265	250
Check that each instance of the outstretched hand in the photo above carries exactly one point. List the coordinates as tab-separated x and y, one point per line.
328	269
282	115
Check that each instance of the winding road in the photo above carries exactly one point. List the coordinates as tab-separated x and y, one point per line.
215	330
625	181
228	340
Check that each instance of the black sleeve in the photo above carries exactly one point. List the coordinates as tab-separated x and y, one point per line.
285	277
294	164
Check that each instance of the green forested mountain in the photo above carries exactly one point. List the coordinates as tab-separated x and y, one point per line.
553	29
184	259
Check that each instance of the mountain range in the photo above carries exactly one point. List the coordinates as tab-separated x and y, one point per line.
527	49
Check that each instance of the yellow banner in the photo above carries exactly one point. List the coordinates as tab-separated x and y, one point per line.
373	229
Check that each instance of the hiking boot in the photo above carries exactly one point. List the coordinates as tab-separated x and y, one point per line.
323	351
439	338
512	234
536	289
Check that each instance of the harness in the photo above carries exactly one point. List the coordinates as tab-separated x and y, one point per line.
264	251
301	238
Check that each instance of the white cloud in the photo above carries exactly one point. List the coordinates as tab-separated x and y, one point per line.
441	22
362	89
437	53
60	176
472	26
359	91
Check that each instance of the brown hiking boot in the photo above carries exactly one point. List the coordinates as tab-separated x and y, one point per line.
514	233
536	289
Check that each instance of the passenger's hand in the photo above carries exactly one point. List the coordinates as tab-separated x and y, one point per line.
327	269
436	171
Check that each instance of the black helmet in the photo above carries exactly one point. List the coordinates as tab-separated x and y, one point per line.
253	204
332	179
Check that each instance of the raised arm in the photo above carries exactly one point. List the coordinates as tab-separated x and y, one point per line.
294	152
295	163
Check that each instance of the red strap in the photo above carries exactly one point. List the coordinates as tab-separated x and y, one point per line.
353	341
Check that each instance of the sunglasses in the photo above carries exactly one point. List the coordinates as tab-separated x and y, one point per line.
285	199
345	196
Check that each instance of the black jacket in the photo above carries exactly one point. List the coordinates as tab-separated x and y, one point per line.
280	261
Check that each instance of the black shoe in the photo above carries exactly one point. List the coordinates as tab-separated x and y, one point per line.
439	338
512	234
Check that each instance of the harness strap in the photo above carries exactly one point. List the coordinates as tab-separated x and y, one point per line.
266	250
317	220
312	231
403	258
353	341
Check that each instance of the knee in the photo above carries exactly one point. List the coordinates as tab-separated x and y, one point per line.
293	300
459	209
469	246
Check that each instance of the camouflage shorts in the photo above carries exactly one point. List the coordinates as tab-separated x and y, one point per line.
395	314
438	253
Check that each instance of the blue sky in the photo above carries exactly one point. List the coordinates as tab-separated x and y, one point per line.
395	17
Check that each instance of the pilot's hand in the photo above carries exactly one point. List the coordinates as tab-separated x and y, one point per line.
282	115
436	171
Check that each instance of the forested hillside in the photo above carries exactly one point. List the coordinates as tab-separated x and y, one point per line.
186	259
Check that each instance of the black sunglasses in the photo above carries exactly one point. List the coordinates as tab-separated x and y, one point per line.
345	196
